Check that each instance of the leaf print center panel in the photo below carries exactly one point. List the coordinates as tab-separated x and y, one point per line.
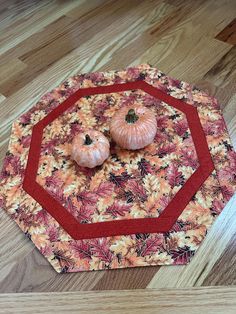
130	184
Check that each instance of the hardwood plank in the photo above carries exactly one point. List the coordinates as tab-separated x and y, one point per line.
11	10
65	35
2	98
4	140
182	56
121	48
228	34
79	31
77	61
214	300
23	28
18	79
75	33
31	272
3	150
232	124
17	244
139	45
137	278
223	272
86	8
10	70
179	49
51	31
177	3
228	107
224	70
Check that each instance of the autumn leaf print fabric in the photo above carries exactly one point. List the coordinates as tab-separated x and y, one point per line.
130	184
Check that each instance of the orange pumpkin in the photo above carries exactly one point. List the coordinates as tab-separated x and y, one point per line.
133	127
90	149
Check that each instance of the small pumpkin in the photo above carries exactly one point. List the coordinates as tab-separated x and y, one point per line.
90	149
133	127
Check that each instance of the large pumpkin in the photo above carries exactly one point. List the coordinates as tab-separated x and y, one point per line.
133	127
90	149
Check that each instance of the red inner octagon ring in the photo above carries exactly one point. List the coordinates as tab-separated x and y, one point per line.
170	214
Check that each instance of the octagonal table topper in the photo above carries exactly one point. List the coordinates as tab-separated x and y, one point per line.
152	206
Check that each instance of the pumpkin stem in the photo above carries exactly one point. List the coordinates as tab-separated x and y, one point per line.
131	116
87	140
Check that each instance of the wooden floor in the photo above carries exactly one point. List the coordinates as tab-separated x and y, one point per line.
44	41
215	300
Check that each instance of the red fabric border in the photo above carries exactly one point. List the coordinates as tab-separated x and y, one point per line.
168	217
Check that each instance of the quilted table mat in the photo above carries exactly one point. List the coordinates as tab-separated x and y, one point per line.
152	206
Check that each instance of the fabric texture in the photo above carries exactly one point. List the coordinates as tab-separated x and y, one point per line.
148	207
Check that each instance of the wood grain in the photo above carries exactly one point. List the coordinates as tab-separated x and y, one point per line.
223	270
228	34
124	279
44	42
31	22
2	98
213	300
224	70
